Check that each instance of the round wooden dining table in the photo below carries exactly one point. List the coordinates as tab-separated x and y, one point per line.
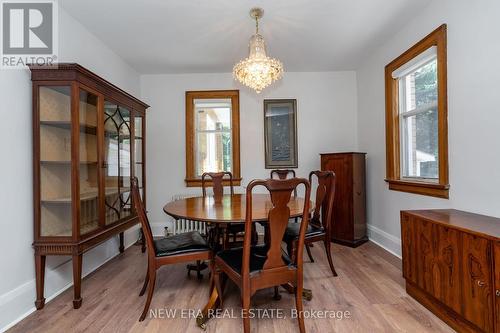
229	209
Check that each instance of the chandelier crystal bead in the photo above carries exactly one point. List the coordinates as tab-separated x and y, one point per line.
258	70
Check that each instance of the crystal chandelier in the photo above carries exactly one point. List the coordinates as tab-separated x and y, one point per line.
258	70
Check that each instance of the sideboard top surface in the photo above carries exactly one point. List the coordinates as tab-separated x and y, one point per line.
486	226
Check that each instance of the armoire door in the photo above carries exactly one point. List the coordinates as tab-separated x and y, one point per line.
342	226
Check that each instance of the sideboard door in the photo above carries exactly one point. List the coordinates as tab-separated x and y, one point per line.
446	271
477	288
496	257
409	248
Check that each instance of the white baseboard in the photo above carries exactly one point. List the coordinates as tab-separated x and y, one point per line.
385	240
19	302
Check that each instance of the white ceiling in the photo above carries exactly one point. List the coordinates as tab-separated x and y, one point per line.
197	36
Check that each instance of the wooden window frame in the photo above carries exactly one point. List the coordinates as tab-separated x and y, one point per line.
191	179
440	188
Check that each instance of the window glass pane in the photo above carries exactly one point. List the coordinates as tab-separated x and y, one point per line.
213	147
420	145
421	87
426	84
213	153
214	117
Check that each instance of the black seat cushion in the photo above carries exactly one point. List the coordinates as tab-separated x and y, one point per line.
293	229
234	257
182	243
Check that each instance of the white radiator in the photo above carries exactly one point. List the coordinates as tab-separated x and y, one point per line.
183	225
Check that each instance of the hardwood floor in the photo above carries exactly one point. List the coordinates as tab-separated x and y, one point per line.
369	286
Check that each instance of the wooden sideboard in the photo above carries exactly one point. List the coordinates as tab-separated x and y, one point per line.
349	206
451	263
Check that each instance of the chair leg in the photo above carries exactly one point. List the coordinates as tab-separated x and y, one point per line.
145	285
308	249
277	295
225	242
246	311
329	256
152	280
298	306
255	236
290	250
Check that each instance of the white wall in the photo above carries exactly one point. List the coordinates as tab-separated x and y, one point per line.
473	120
17	284
326	111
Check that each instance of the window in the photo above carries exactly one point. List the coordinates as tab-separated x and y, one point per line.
416	118
212	134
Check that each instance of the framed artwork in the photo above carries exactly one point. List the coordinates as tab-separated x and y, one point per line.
280	133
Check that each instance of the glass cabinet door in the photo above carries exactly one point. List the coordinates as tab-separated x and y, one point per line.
89	175
55	160
138	150
117	159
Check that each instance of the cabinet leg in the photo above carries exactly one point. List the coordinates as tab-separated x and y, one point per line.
77	281
143	244
40	281
122	247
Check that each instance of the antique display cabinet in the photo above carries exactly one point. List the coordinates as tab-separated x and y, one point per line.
88	140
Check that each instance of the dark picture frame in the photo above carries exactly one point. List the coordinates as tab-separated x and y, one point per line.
280	133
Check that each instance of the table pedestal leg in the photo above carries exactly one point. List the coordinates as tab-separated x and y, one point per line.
212	304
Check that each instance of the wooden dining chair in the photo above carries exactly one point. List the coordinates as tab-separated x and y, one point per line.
320	227
255	267
174	249
218	179
283	174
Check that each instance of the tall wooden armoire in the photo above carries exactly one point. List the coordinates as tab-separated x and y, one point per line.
349	207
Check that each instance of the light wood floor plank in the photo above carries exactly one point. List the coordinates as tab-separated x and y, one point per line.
369	286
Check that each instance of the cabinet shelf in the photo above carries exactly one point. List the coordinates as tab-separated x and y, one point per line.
46	162
86	196
84	128
84	229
